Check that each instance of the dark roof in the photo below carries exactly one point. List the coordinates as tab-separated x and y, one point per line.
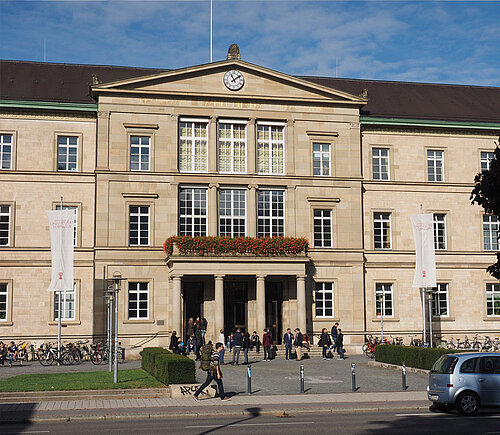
36	81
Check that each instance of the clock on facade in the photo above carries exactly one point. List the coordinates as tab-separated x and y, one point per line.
234	80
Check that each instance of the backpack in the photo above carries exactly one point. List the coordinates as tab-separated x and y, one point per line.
206	357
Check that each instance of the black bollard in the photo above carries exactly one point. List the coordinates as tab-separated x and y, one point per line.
403	377
249	379
353	376
302	378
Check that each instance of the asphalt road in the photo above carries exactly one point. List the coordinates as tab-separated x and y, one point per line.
359	423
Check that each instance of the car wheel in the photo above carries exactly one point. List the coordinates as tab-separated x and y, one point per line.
467	403
444	407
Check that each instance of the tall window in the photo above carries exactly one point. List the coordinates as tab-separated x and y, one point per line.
439	231
67	299
5	151
324	299
384	300
270	149
486	158
435	160
380	162
75	220
232	212
440	301
67	153
321	159
382	230
4	225
322	228
4	300
490	232
270	213
232	147
138	300
493	299
193	145
138	225
140	151
193	211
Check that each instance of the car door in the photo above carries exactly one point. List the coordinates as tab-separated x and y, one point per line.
489	380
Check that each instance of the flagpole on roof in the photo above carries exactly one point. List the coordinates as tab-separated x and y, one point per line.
211	29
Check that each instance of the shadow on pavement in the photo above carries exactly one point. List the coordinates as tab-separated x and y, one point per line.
254	412
16	412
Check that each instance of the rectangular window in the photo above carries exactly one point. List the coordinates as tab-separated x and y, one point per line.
232	212
232	148
439	232
435	165
4	225
193	146
270	149
486	158
324	299
440	301
384	300
67	302
4	300
322	228
67	153
138	300
140	151
138	234
382	230
270	213
75	221
321	159
5	151
380	162
493	299
490	232
192	211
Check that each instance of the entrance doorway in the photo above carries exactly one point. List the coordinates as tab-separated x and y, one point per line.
193	303
235	306
274	304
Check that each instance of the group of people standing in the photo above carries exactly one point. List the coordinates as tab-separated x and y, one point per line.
194	338
336	342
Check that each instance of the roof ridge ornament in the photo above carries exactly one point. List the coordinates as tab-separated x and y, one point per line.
233	52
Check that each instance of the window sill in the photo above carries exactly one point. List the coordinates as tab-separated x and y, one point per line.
323	319
6	323
491	318
65	322
386	319
132	321
443	319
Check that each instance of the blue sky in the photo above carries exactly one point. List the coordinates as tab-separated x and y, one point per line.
444	42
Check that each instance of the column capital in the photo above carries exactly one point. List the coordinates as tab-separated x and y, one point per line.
217	277
212	185
252	186
176	277
290	121
301	277
260	277
252	120
103	114
174	117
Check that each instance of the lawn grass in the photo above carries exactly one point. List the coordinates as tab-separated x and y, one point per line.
101	380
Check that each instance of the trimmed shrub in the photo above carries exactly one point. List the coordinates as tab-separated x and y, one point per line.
168	367
147	358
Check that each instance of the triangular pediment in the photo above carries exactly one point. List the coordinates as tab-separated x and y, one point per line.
208	81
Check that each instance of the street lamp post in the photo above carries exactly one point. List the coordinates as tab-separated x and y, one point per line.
117	277
382	300
109	336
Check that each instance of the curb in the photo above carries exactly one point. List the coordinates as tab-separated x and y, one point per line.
396	367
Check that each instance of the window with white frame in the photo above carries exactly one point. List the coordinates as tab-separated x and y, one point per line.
138	300
382	230
486	158
138	234
490	232
193	145
75	220
321	159
67	299
232	213
439	231
4	300
140	152
5	151
435	165
380	163
384	300
322	228
270	148
270	213
232	147
67	153
493	299
324	299
5	225
192	211
440	301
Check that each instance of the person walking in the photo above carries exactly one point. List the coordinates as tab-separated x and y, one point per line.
214	373
174	342
324	342
237	345
246	346
288	342
334	335
266	344
340	344
221	353
198	339
297	344
255	340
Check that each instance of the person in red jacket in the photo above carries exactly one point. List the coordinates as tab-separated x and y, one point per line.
266	344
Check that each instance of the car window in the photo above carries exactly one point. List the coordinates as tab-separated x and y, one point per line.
489	365
469	366
445	364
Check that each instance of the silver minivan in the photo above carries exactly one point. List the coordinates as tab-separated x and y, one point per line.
465	381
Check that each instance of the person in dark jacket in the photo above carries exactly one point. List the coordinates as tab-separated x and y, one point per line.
340	344
174	343
237	345
255	341
334	335
198	340
288	342
203	328
246	346
190	328
3	353
324	342
297	343
266	344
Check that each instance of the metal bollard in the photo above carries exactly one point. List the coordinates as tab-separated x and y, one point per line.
249	379
302	378
403	377
353	376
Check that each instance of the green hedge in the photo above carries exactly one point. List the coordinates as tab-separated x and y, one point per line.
412	356
168	367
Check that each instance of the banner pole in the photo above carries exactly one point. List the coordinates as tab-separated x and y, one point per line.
424	334
60	293
430	319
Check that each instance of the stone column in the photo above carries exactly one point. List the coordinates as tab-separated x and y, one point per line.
102	163
212	207
260	299
213	134
219	304
251	147
301	303
252	210
177	305
290	164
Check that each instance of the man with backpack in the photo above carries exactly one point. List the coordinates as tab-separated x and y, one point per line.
212	367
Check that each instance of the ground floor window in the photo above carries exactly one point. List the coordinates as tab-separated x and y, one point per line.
138	300
4	289
65	300
324	299
493	299
384	300
440	301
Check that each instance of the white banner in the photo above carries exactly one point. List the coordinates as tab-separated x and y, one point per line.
61	224
425	264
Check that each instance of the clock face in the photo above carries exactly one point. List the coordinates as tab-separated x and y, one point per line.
234	80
